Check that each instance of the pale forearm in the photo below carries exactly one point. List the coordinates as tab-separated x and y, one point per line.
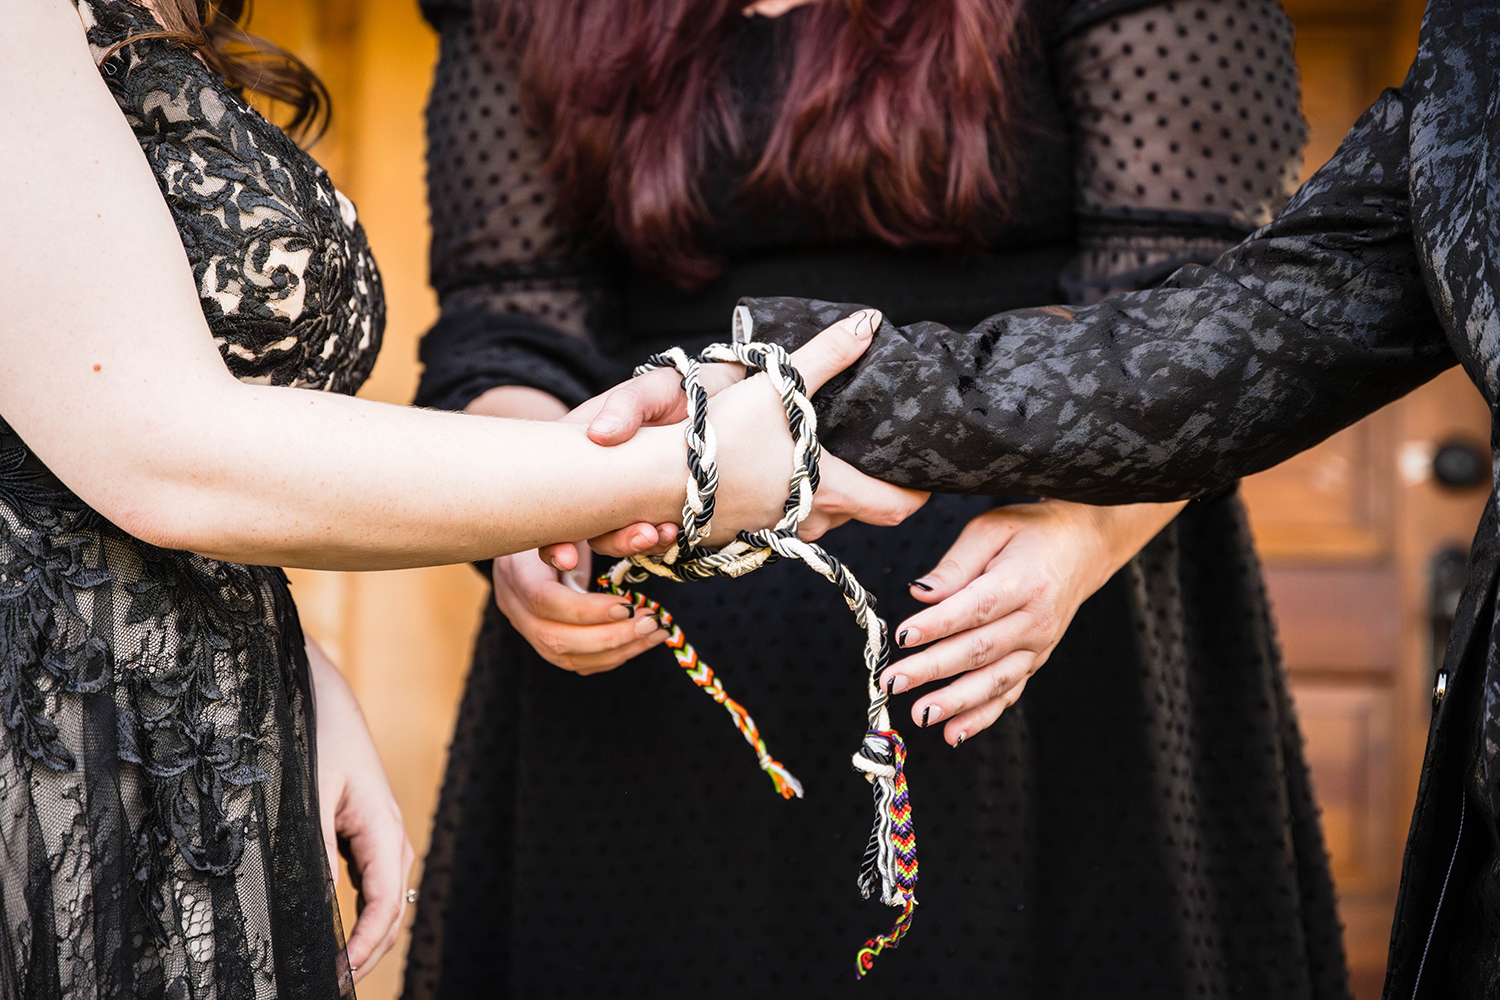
319	480
518	402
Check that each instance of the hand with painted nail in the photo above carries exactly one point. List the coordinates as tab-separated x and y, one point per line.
1004	595
578	631
657	399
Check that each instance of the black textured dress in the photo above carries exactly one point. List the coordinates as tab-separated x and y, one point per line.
158	803
1140	825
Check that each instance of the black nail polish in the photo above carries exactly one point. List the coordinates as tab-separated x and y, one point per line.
631	607
958	742
901	637
924	716
890	688
920	586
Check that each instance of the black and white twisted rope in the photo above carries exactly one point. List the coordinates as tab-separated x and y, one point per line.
890	866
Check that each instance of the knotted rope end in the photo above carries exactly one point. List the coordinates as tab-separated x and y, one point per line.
785	783
864	960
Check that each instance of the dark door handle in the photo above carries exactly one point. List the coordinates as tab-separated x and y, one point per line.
1461	465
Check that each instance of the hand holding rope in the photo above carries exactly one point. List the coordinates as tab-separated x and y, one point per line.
890	866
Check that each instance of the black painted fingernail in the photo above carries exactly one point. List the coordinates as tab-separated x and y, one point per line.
924	716
958	742
920	586
890	688
629	607
901	637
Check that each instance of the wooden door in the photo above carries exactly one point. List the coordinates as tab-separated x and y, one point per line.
1360	537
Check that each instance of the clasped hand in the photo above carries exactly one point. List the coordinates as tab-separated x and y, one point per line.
542	592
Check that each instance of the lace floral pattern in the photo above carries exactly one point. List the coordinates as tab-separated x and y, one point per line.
158	810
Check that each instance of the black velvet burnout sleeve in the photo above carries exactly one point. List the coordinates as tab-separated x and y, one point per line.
1318	319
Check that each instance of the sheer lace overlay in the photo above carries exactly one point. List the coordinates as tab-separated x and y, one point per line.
158	807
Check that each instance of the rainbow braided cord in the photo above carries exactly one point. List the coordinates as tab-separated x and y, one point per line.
703	676
890	868
901	834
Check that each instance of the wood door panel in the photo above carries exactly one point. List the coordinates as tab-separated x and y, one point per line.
1347	729
1329	504
1337	621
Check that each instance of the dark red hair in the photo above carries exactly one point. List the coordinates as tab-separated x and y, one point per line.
897	119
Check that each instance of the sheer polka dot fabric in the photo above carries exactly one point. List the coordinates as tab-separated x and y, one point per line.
1139	826
496	245
1188	108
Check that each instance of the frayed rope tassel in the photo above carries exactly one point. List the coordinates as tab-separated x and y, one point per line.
890	865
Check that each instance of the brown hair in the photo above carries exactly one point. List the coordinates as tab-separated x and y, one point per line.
215	31
898	118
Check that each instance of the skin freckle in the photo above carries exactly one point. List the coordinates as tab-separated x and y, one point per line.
97	367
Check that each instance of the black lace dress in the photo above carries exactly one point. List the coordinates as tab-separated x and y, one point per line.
1139	825
158	805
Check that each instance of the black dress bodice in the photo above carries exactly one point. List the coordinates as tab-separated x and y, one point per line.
162	835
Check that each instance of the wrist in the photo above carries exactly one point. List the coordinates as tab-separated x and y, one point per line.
654	465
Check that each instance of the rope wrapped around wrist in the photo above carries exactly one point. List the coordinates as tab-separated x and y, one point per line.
890	866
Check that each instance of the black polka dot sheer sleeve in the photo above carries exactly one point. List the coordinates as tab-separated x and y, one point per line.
514	291
1187	134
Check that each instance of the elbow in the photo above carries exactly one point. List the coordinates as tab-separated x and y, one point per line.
159	515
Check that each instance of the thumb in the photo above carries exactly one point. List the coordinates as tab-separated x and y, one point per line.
836	348
650	398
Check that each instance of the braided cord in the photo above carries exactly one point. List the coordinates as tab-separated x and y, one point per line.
890	865
703	676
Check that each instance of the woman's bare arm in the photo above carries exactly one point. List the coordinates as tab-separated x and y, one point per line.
109	372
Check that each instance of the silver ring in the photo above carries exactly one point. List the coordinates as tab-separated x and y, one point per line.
411	895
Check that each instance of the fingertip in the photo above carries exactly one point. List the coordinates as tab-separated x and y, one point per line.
617	420
924	591
866	322
605	431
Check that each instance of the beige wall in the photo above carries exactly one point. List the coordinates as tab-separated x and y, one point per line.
401	638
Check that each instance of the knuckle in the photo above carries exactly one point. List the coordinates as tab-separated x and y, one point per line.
981	651
947	566
987	604
1000	683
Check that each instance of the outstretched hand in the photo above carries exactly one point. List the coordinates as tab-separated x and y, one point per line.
657	399
570	628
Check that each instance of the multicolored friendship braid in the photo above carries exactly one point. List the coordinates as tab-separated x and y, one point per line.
890	866
703	676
